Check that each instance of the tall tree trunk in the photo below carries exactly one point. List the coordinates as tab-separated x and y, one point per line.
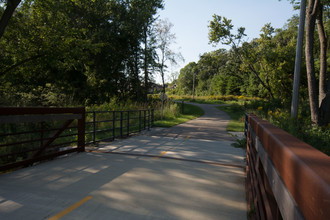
324	85
163	79
137	79
311	14
326	103
323	55
8	13
145	66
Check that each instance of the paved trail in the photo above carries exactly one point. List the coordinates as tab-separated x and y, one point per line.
189	171
211	126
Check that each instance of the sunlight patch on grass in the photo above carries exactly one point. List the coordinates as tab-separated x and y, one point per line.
237	117
190	112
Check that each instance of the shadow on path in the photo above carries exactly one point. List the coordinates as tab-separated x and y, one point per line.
205	181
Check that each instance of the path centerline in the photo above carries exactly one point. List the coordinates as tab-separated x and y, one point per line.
70	209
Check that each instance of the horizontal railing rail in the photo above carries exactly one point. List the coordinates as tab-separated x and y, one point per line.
108	125
286	178
32	134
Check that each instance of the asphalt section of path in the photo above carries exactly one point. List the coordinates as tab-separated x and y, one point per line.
177	173
211	126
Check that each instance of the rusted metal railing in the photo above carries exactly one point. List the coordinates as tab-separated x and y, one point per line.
108	125
29	135
286	178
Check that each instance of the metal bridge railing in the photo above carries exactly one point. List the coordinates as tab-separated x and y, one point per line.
29	135
108	125
286	178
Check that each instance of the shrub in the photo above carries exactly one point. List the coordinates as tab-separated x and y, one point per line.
277	113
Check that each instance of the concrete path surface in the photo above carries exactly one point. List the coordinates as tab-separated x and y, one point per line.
189	171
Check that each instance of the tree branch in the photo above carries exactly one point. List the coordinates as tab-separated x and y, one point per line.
21	63
8	13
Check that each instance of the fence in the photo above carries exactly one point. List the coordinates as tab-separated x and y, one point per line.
286	178
29	135
108	125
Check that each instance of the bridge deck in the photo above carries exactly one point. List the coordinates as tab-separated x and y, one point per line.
186	172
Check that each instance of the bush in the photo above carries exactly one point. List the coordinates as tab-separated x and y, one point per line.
277	113
170	110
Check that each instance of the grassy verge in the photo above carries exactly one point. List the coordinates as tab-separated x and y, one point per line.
278	113
236	112
190	112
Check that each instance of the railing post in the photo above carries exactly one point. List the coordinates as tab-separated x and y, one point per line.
42	134
127	123
149	119
113	125
144	119
81	131
121	123
246	124
94	127
152	117
139	120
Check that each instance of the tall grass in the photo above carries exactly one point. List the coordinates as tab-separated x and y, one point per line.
278	113
190	112
237	116
212	99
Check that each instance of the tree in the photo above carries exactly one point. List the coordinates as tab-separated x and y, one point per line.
165	39
7	14
149	41
185	80
220	31
319	103
272	56
85	51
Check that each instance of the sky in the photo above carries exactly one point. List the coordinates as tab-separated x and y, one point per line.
191	19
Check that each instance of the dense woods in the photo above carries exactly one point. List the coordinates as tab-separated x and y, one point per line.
264	67
77	52
88	52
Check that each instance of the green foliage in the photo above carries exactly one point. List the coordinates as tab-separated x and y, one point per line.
89	51
212	99
262	67
220	31
240	143
190	112
117	104
277	113
237	116
171	110
185	80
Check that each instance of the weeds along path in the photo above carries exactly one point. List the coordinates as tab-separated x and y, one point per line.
211	126
203	139
189	171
